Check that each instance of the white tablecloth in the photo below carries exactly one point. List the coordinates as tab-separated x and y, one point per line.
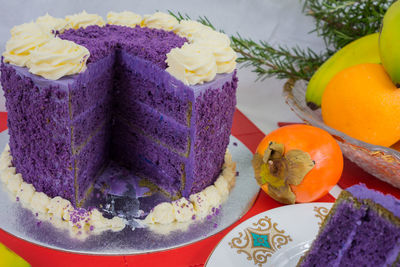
276	21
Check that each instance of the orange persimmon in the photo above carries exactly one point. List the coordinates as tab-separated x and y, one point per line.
326	161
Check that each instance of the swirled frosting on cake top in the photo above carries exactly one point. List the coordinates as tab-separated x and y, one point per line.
208	39
219	44
207	53
190	29
191	64
125	18
160	20
24	39
52	24
58	58
83	19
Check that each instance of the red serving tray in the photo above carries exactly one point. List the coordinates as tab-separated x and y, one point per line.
192	255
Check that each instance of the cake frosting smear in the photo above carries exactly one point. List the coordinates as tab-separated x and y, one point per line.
150	93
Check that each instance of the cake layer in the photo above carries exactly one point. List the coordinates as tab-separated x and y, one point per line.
88	122
45	138
146	158
337	233
140	80
362	229
41	149
373	242
125	105
209	115
387	201
91	87
149	44
212	116
91	161
156	125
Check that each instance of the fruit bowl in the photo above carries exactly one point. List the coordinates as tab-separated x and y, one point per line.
382	162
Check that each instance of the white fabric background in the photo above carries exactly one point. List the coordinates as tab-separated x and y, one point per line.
276	21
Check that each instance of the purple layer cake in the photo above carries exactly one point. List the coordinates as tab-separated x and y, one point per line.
125	108
362	229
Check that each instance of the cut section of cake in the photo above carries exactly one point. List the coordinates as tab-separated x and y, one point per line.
124	107
362	229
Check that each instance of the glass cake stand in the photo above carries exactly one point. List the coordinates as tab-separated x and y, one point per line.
21	222
382	162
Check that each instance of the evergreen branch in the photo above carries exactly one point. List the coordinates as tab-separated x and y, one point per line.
202	19
281	62
267	61
338	22
179	16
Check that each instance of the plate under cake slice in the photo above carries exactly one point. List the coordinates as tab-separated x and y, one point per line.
124	107
362	229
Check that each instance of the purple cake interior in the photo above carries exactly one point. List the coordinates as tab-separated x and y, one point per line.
362	229
125	108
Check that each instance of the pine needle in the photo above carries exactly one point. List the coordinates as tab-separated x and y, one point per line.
338	22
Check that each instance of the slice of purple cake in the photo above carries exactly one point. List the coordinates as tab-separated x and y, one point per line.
362	229
125	107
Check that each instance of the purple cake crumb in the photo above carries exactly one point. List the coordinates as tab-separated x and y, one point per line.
17	199
217	211
363	230
39	223
235	144
125	107
149	44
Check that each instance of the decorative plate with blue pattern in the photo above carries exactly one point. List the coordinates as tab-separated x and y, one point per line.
277	237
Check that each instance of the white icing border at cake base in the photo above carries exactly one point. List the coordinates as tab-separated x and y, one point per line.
163	218
168	216
58	211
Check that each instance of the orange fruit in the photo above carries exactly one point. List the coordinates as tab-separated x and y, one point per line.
362	102
323	150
